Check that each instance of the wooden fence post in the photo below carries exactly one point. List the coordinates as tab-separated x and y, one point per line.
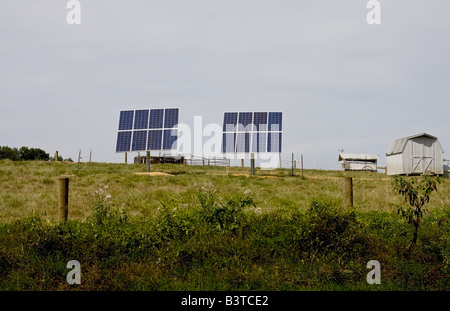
348	192
63	198
302	165
293	165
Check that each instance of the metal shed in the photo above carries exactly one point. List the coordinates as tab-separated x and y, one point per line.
415	155
358	162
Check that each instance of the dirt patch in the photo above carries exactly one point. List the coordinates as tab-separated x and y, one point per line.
245	175
154	174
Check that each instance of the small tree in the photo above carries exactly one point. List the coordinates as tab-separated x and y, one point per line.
416	193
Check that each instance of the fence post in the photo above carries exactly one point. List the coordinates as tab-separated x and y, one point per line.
292	164
348	192
63	198
302	165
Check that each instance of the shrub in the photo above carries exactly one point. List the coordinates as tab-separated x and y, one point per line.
227	216
170	223
330	227
416	193
104	214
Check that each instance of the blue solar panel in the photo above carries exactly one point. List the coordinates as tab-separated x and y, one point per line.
256	132
245	121
243	142
275	121
170	139
139	141
230	121
126	120
154	140
156	119
141	120
229	142
142	130
274	142
259	142
123	141
170	118
260	121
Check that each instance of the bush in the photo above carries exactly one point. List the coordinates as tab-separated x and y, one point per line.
331	228
227	216
170	223
416	194
104	214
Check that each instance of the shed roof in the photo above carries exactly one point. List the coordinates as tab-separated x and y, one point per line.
398	146
357	157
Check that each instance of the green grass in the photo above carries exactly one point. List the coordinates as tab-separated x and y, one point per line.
213	228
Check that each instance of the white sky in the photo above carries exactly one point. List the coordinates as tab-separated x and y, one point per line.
340	82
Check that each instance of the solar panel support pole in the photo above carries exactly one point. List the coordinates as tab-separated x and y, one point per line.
148	161
252	164
242	162
79	159
126	158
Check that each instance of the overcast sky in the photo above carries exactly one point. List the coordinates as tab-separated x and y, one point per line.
340	82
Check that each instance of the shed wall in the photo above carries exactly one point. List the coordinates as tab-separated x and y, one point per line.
439	167
394	164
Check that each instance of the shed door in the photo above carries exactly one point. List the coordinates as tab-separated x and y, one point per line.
422	155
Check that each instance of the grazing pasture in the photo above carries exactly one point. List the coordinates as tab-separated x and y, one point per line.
213	228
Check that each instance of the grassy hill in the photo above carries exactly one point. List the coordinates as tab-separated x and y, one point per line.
32	187
213	228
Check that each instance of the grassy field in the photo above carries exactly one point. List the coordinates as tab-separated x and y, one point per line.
213	228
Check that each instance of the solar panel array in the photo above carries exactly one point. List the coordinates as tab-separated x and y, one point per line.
147	130
252	132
